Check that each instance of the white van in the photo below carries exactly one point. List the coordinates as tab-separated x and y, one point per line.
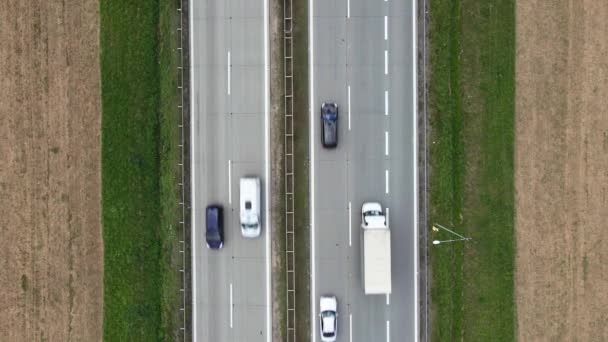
251	223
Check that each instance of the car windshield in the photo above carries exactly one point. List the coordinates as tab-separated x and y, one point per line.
249	226
373	213
329	116
248	205
327	314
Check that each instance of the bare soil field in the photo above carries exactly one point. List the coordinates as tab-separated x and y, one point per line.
51	249
561	170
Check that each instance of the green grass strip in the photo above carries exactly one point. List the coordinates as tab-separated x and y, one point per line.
471	109
139	154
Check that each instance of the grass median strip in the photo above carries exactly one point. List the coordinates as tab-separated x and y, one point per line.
471	111
139	173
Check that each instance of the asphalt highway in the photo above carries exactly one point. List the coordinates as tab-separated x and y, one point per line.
229	98
362	57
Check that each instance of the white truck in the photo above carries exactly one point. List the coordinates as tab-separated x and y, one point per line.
375	250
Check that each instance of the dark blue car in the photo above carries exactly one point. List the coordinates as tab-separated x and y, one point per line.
329	125
215	227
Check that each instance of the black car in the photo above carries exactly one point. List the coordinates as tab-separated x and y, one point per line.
215	227
329	125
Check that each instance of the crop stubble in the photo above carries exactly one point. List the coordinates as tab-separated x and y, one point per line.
561	170
51	251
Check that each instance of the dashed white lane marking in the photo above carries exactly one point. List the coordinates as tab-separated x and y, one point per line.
386	143
350	222
388	299
348	8
350	327
231	305
229	181
386	179
229	69
388	331
349	108
388	217
386	62
386	102
385	27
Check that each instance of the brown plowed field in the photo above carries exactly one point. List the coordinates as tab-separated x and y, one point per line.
51	251
561	170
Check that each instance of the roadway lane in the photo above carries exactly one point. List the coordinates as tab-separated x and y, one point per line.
362	59
229	141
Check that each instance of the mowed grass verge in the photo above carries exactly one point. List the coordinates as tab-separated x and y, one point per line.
301	166
139	170
471	112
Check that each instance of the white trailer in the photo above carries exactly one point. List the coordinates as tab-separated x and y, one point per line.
375	250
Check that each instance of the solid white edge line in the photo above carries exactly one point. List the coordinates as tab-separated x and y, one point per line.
267	171
311	78
386	180
349	107
231	305
229	67
415	165
350	327
386	102
386	143
193	243
386	62
385	27
350	222
388	331
229	181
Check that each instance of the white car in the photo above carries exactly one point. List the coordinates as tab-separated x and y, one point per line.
328	318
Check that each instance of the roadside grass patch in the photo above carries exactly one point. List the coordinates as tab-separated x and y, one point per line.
471	113
139	154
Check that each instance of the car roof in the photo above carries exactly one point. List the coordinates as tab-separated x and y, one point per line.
329	132
213	217
329	323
